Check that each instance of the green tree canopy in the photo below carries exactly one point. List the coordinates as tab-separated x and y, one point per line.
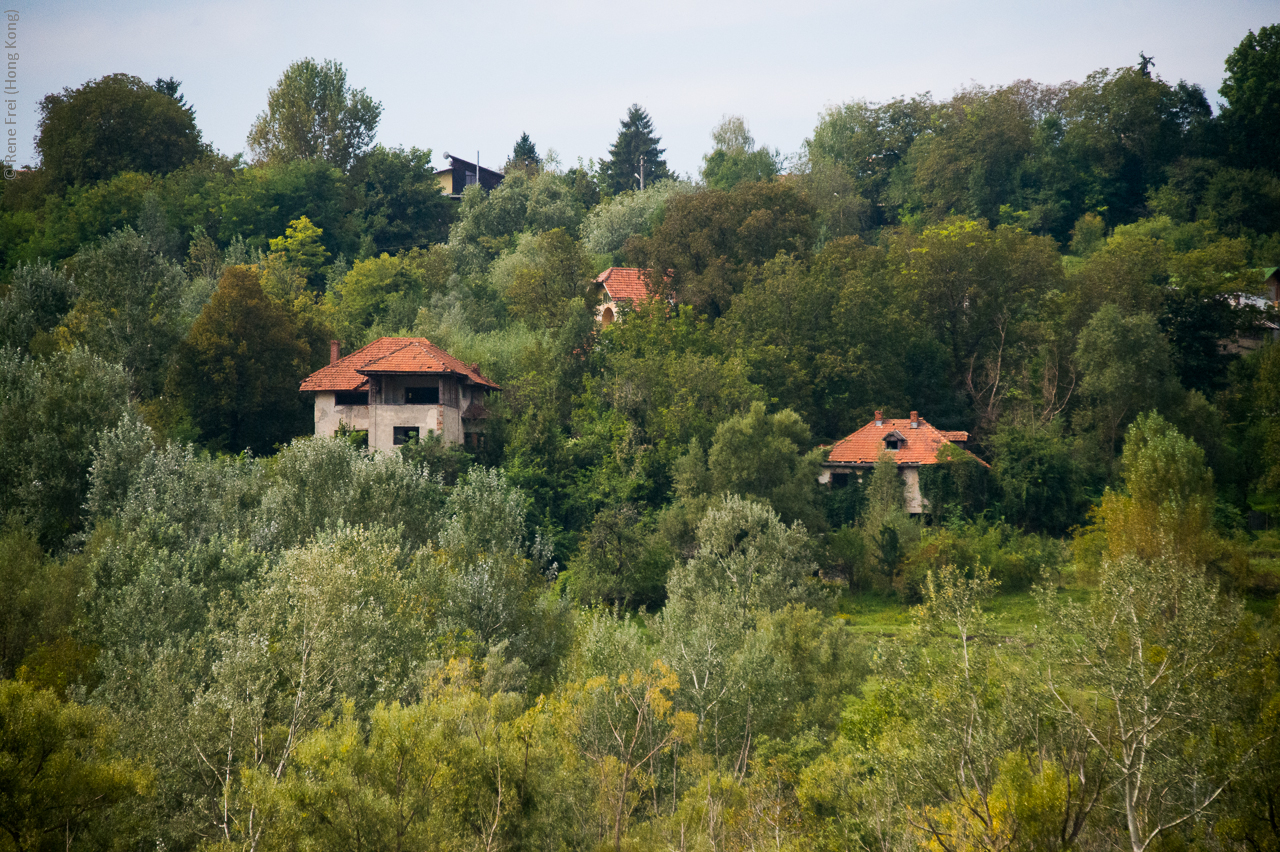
1150	643
39	297
384	290
976	288
312	114
1252	90
128	306
52	411
767	456
60	772
403	205
867	141
1126	127
558	272
635	140
736	157
1166	507
489	223
301	247
114	124
1125	367
609	225
239	369
1038	476
708	241
258	203
748	559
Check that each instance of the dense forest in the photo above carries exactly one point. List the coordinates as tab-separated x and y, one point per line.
632	618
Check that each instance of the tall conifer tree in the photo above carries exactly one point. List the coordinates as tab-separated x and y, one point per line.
525	155
635	139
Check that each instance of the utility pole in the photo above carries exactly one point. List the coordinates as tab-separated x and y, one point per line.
642	172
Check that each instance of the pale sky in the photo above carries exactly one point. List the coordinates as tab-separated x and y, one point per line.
468	76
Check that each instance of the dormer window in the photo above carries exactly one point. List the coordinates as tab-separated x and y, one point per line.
891	443
894	441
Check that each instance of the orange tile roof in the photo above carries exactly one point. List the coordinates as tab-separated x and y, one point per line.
390	355
624	282
922	443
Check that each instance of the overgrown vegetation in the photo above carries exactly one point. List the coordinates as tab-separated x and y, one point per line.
633	618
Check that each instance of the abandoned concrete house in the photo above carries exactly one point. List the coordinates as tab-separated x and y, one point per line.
912	443
397	389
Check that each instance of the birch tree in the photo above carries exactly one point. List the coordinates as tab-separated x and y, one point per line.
1136	671
625	725
333	619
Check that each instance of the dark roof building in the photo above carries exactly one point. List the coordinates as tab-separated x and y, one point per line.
461	174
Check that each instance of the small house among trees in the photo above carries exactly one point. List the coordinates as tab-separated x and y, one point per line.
461	174
397	389
913	443
618	286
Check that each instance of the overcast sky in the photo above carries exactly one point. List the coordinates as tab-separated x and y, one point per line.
475	75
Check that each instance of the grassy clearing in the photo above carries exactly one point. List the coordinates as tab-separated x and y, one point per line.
1263	606
1262	594
1013	615
875	615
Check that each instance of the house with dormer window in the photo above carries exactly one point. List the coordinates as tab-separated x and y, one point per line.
913	443
397	389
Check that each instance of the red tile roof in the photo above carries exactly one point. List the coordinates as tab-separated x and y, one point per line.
390	355
624	282
922	443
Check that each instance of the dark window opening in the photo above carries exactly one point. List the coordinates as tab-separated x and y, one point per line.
404	434
422	396
839	480
891	443
474	440
351	398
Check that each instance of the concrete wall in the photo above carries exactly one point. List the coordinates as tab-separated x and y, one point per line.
385	419
329	415
387	410
911	491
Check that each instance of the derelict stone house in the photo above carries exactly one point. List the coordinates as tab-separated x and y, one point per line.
398	388
913	443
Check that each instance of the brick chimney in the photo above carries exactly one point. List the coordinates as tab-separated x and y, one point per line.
879	419
335	351
915	420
